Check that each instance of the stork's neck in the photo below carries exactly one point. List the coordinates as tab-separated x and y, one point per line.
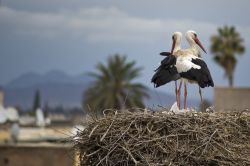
194	47
177	46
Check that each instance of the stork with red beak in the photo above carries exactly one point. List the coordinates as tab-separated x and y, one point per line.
167	71
191	67
194	42
185	64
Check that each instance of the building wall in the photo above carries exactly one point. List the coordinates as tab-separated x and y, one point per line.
229	99
1	98
36	155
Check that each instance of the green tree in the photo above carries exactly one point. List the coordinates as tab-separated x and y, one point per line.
225	45
114	86
37	100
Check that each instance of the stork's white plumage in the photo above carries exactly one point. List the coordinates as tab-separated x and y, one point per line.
167	72
176	37
176	47
185	64
194	43
191	67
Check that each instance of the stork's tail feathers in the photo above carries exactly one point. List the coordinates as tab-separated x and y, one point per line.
206	81
203	78
163	76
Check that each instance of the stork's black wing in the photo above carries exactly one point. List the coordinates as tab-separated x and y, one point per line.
202	76
167	62
166	72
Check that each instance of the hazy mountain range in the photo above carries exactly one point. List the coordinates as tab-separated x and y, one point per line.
58	88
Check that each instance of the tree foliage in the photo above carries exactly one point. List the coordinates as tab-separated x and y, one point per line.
225	45
37	100
114	86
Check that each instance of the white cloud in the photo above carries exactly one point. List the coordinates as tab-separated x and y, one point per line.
98	25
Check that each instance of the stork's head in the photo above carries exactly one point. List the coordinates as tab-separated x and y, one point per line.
192	39
176	37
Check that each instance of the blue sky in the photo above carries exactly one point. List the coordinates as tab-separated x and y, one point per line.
74	35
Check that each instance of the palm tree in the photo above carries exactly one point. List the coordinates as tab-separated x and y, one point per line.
225	46
114	86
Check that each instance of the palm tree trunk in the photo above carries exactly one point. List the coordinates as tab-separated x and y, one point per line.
230	70
231	80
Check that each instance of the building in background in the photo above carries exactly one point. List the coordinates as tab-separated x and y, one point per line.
231	99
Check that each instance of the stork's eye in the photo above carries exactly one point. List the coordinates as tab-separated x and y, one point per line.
195	35
173	37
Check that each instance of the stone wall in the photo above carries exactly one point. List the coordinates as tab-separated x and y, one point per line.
36	155
228	99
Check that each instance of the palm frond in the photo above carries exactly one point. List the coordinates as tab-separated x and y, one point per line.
114	85
225	45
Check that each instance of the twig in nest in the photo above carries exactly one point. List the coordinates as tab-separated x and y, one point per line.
130	154
209	140
92	131
104	135
106	155
91	154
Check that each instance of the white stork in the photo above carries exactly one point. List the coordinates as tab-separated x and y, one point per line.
167	72
185	64
191	67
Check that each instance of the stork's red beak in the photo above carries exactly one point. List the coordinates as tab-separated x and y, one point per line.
173	46
197	41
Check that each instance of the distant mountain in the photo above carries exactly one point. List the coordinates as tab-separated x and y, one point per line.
58	88
55	94
53	77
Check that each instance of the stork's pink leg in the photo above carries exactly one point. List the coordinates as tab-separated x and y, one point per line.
185	95
179	94
176	92
200	94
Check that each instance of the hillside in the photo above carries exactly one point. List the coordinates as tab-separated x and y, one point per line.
59	88
56	88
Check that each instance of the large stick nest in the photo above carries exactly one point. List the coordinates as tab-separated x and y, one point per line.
157	138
